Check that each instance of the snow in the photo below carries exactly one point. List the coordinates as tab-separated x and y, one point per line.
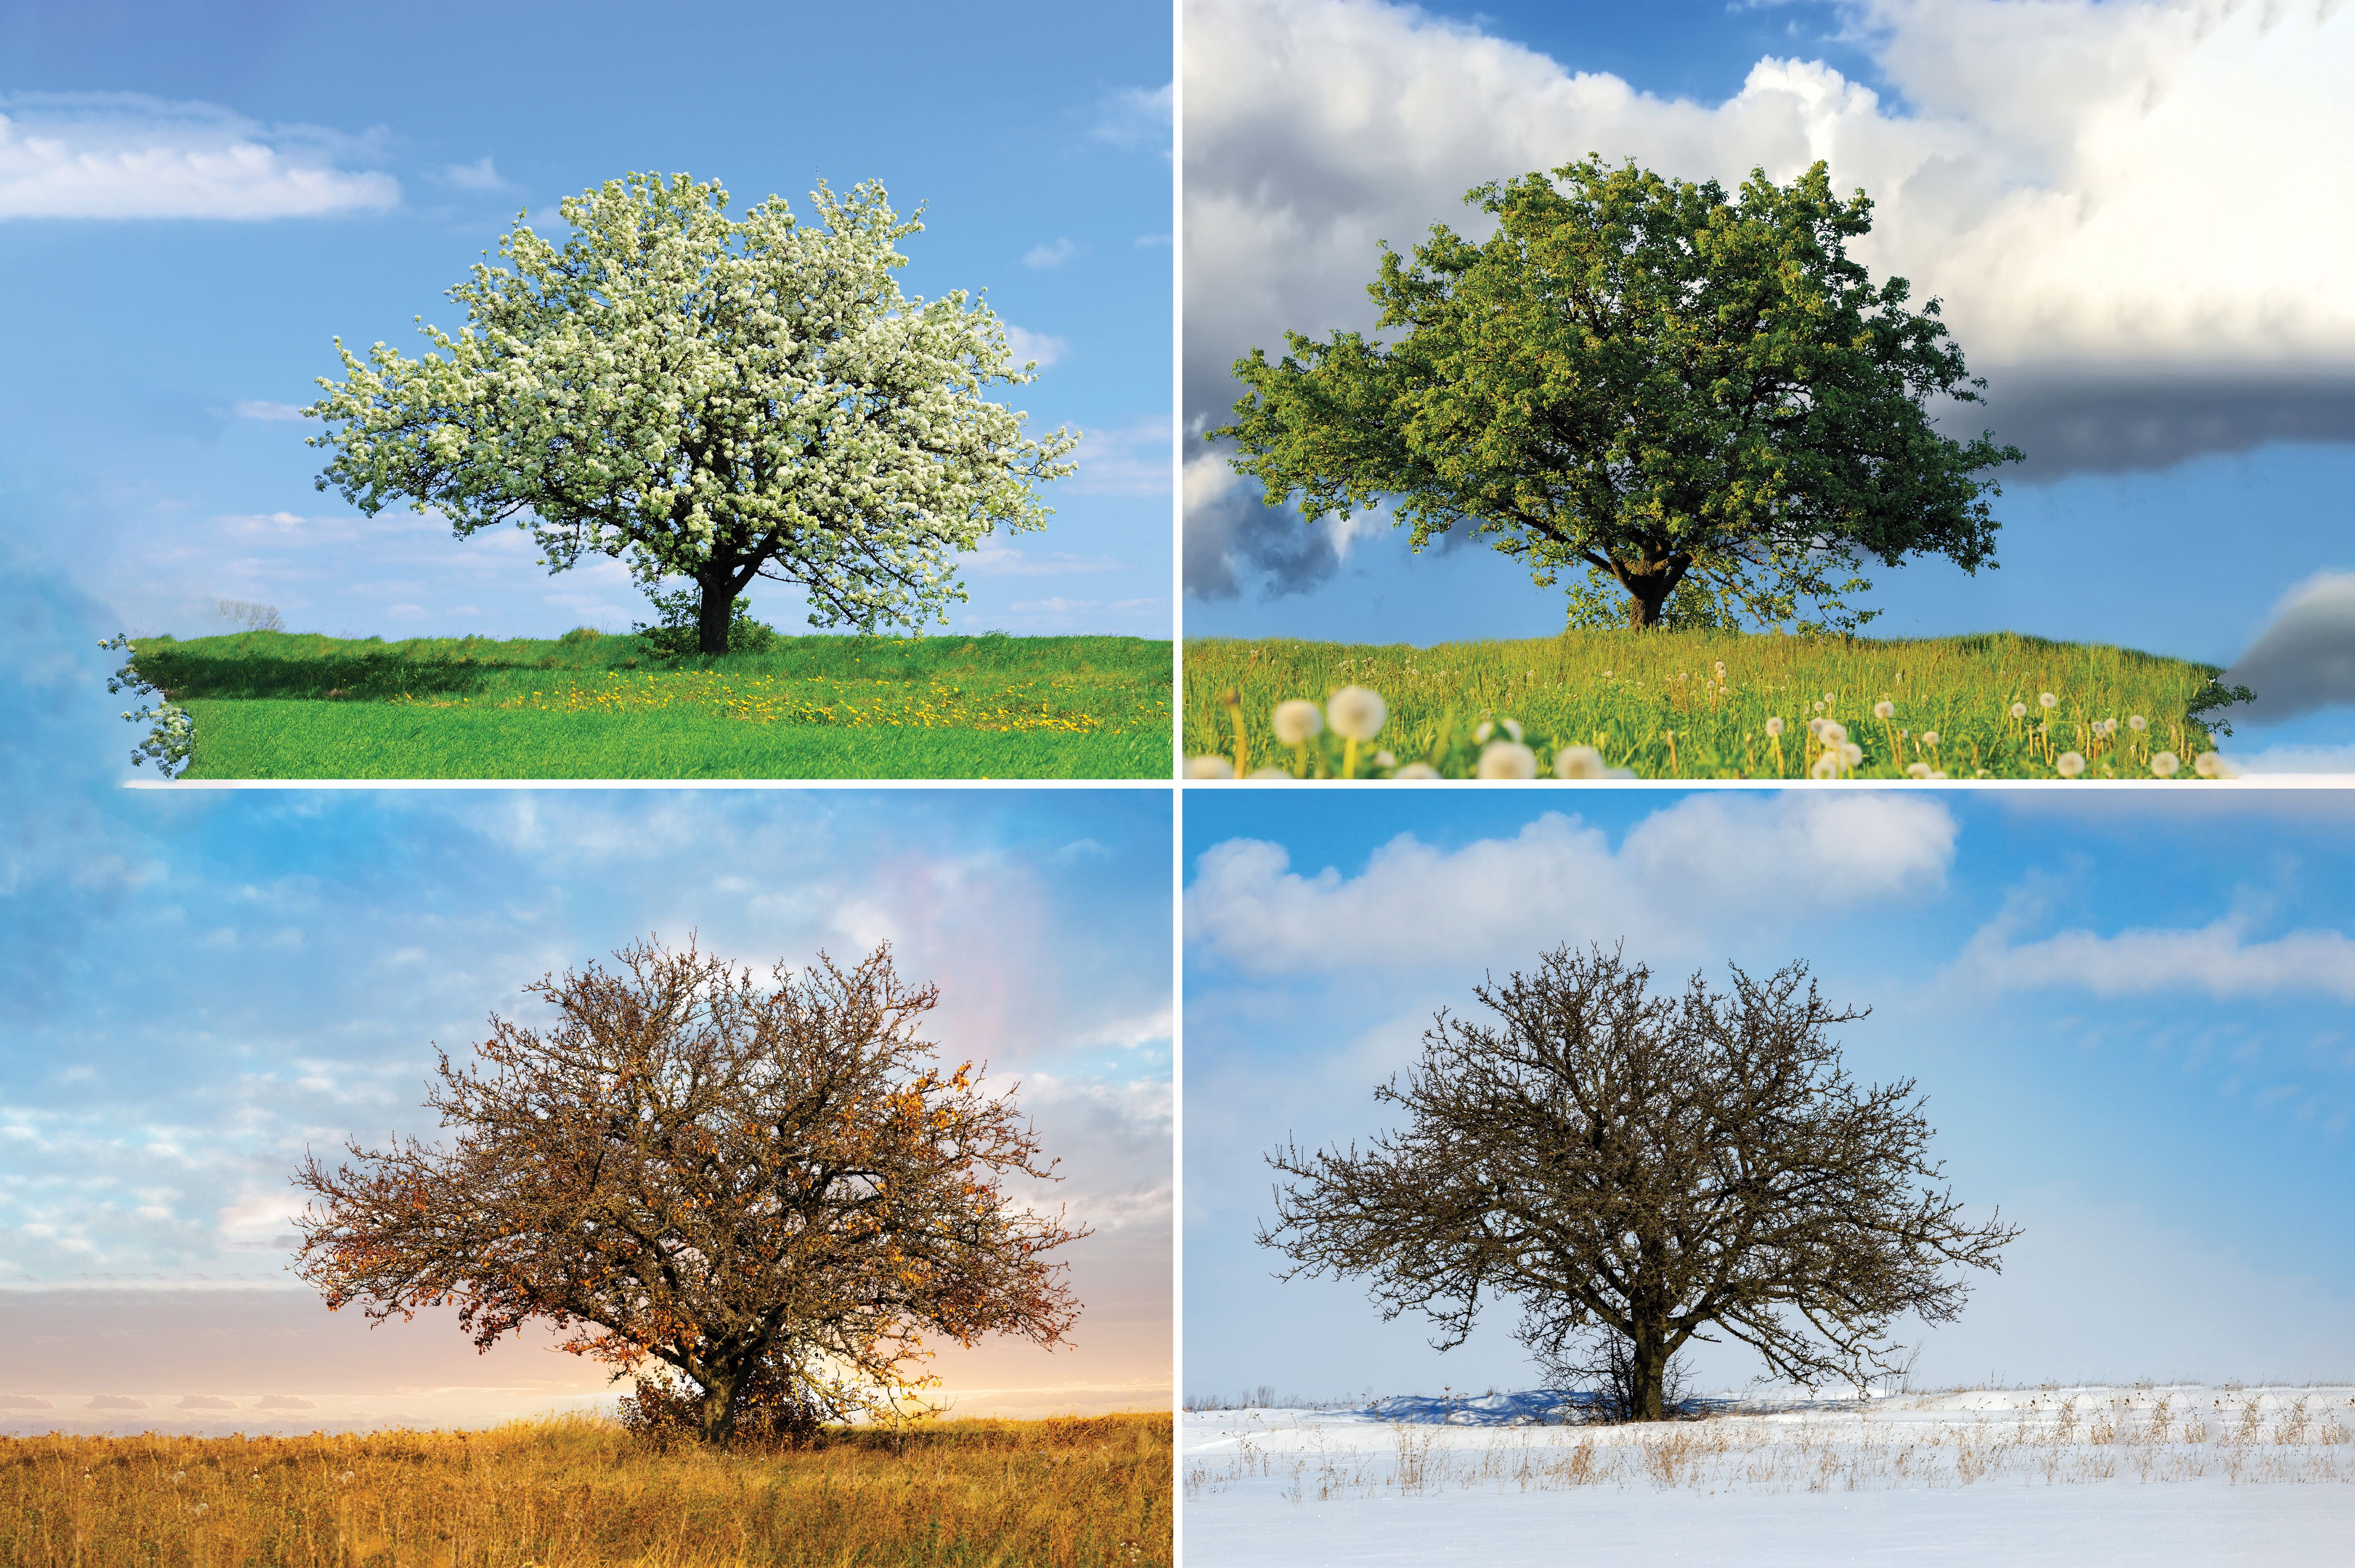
2147	1474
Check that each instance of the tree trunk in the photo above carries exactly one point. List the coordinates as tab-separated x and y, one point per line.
1647	1375
712	615
1648	584
718	1412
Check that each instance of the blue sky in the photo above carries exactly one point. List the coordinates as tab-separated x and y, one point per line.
202	983
2129	1015
149	458
2184	385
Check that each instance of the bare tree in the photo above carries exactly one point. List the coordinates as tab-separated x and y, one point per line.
1638	1168
753	1186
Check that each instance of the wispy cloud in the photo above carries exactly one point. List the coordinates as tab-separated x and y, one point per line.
1128	460
1136	117
476	175
1050	256
2218	960
255	409
123	154
1025	346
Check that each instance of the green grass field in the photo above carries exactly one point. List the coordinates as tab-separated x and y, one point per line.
283	705
1696	705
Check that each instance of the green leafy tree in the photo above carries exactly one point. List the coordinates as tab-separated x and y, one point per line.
1702	401
710	399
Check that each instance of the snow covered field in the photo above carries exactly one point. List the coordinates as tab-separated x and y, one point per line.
2160	1474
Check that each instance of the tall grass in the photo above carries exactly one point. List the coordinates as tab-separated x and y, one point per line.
1697	704
575	1492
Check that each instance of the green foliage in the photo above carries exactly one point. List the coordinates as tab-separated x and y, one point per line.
710	399
1673	704
1643	382
675	635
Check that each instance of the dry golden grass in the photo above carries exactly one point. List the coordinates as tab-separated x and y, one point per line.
572	1493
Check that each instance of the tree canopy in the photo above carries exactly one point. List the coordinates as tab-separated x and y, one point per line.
1638	1170
760	1188
1686	398
711	398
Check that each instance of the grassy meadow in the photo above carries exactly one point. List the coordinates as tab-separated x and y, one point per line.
572	1493
1697	705
285	705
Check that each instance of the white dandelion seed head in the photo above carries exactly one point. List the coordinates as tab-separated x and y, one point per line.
2019	711
1819	708
1385	760
1852	754
1512	729
1834	732
2166	764
1774	725
2071	765
1481	734
2211	765
1209	768
2046	700
1884	709
1296	722
1269	772
1356	713
1507	759
1827	766
1929	737
1417	771
1578	763
1917	770
2136	722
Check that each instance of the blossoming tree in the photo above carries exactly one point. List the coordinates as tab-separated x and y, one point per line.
708	398
766	1190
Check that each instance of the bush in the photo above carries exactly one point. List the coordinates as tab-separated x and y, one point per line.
676	635
770	1415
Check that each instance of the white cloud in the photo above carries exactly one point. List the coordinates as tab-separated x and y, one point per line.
1050	256
1127	460
1137	117
476	175
1025	346
2132	184
2219	960
130	156
997	559
1682	871
255	409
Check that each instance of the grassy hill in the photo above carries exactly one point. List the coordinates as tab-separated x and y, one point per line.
1697	704
284	704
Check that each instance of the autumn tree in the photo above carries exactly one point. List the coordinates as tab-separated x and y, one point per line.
753	1186
1642	1171
711	398
1682	398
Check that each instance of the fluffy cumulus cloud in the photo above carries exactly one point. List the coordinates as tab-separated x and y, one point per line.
2119	203
1711	859
128	155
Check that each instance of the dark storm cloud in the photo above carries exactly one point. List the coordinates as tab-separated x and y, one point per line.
2120	421
2306	658
1234	540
